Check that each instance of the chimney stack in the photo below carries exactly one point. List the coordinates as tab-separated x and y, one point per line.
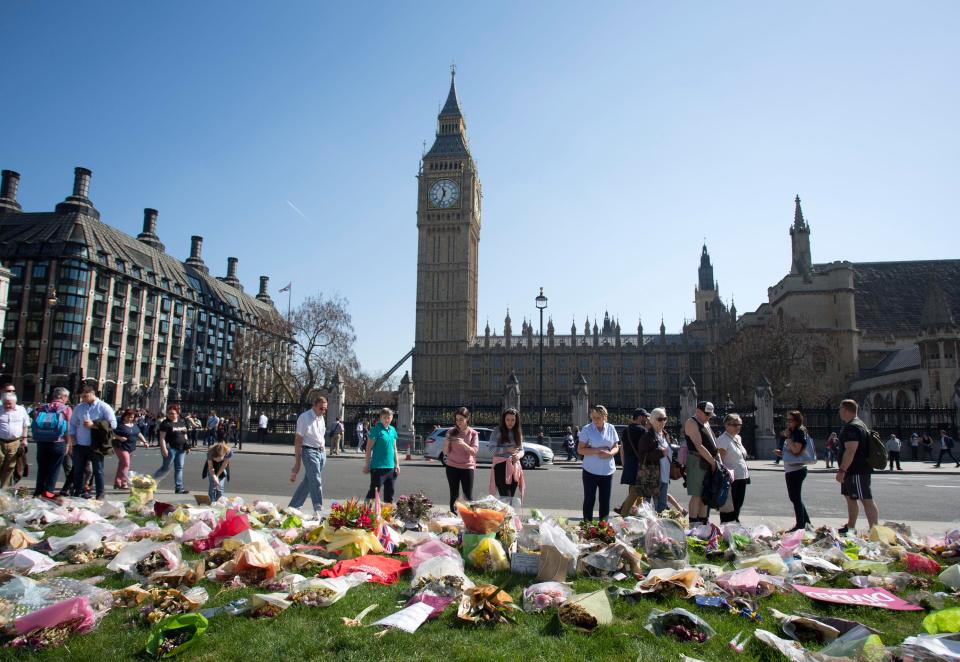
79	200
149	234
8	191
81	182
264	295
231	278
195	261
149	221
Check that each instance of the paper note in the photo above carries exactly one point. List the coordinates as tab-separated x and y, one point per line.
409	618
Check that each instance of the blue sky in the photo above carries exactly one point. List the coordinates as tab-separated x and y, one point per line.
611	139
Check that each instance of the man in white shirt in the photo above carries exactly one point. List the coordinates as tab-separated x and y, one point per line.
308	449
262	427
14	422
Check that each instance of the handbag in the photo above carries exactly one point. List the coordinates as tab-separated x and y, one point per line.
716	486
808	456
677	471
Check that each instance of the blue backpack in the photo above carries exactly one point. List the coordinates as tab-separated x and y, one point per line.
49	426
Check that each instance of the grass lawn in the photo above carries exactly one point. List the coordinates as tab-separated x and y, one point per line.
312	633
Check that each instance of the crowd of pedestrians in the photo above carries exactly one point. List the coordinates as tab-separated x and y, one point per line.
713	468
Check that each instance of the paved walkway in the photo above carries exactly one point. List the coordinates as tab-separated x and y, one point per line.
909	467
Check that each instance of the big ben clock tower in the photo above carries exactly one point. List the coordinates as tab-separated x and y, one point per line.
448	224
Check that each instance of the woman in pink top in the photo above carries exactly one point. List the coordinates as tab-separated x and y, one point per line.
460	450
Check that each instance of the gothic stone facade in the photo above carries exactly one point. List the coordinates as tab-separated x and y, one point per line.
452	364
887	328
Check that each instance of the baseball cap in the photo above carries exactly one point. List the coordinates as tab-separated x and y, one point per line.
640	412
705	406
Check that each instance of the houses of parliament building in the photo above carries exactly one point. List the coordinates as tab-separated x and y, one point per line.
453	363
883	332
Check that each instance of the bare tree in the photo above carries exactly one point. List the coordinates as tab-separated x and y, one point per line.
321	337
367	387
786	351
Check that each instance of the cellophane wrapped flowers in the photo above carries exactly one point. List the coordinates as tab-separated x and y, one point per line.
351	514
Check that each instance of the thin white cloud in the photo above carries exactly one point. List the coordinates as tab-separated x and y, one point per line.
299	213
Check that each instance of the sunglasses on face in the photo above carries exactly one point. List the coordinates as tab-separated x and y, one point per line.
662	420
735	425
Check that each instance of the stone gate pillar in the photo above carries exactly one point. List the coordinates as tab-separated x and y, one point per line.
765	439
405	412
688	399
581	402
336	400
864	412
511	394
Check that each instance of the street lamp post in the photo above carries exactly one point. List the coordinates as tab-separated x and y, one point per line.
541	302
52	302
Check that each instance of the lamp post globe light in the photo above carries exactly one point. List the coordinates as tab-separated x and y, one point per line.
541	302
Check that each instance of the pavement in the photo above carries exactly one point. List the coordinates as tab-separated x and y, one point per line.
910	467
926	499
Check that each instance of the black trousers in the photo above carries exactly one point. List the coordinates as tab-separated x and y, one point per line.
592	483
50	456
500	479
894	456
945	451
738	492
457	479
794	491
382	479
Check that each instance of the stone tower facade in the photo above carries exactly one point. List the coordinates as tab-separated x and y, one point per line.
705	293
800	244
448	224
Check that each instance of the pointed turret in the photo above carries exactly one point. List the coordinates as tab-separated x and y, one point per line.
607	325
451	137
586	326
550	326
800	244
705	272
663	331
798	221
507	329
452	107
573	326
640	328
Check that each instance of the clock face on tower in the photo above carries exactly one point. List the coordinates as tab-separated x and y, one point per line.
444	193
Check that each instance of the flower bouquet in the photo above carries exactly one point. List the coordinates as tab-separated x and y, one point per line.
351	514
412	509
487	604
597	532
351	527
49	637
142	488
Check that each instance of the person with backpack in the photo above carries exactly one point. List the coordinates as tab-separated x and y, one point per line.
336	437
855	466
946	448
49	431
795	452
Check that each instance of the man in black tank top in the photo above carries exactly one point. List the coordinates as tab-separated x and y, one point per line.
701	445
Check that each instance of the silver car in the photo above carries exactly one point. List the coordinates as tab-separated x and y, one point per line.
534	455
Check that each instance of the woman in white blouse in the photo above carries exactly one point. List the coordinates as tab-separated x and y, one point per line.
734	457
599	444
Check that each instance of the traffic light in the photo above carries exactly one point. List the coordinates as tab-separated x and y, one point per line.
231	389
